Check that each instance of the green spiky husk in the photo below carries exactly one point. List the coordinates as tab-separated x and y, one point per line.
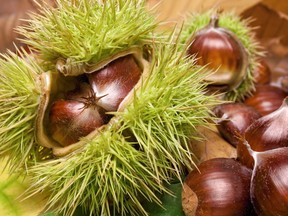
19	100
88	31
111	171
240	28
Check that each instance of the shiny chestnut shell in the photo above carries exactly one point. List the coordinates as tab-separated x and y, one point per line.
222	52
124	72
221	187
234	119
269	187
53	83
71	119
262	73
266	98
266	133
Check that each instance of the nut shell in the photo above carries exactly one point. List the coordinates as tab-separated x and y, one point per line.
269	187
220	187
220	50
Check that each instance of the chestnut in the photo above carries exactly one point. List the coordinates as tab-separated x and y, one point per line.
220	186
262	73
69	120
267	132
269	186
220	50
115	81
266	98
269	183
234	119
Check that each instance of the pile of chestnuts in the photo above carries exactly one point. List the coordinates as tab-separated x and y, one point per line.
256	181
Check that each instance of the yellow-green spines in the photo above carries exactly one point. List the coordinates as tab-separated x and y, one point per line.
88	31
19	99
243	32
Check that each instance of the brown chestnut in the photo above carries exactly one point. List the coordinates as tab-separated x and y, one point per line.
115	81
267	132
269	186
266	99
262	73
269	183
220	187
71	119
234	119
221	51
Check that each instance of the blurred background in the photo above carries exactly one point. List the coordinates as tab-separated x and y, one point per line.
13	12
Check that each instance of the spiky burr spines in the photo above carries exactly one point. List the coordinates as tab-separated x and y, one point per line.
160	116
19	101
77	35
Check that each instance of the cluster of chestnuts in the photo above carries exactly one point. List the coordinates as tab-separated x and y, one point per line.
89	105
256	181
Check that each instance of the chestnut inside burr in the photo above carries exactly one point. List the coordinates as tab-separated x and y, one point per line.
78	105
221	51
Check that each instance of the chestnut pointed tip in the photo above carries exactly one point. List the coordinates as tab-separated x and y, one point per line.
214	21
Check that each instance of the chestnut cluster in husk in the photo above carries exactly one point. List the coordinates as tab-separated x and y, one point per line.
86	107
